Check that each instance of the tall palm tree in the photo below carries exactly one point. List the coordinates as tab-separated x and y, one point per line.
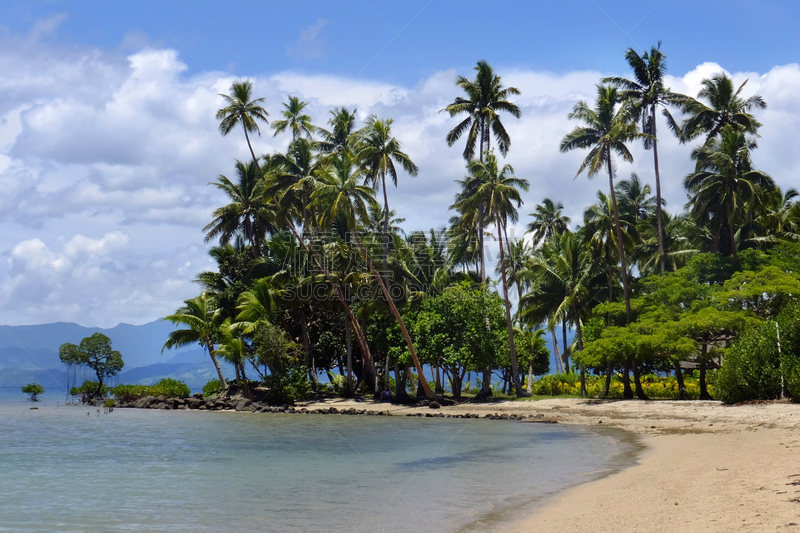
498	190
340	199
341	135
548	222
199	316
646	93
725	184
248	212
242	110
378	153
294	120
635	201
606	129
485	97
725	106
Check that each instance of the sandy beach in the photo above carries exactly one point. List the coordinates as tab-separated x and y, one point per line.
705	466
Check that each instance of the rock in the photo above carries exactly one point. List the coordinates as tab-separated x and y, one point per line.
202	408
161	398
434	405
240	406
197	395
145	402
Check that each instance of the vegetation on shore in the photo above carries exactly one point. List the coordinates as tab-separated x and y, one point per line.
316	276
34	389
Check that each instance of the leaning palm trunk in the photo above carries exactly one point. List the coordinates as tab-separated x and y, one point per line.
210	348
423	382
661	248
512	352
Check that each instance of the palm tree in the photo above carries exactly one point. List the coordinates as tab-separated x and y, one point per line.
247	212
294	119
645	94
725	184
725	106
199	316
485	97
341	136
497	190
340	199
607	128
378	153
547	221
241	110
635	201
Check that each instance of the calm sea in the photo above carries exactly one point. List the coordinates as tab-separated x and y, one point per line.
70	468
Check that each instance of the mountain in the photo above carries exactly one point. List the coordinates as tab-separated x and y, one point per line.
30	353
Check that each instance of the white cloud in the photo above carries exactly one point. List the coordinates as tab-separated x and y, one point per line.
104	161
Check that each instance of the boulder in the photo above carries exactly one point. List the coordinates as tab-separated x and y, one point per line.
240	406
145	402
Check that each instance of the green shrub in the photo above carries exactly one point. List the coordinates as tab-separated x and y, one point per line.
88	386
34	389
288	387
212	387
171	388
110	403
130	393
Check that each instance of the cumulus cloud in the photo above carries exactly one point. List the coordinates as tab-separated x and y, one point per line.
105	160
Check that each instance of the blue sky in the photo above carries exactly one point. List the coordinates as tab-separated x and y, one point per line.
403	42
108	139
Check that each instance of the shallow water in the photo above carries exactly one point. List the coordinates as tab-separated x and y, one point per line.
143	470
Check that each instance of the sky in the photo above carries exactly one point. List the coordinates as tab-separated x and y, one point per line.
108	139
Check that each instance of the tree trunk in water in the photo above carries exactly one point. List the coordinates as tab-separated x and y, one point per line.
661	248
637	381
679	378
512	352
627	393
210	348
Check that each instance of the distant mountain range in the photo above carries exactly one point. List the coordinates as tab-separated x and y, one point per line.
30	353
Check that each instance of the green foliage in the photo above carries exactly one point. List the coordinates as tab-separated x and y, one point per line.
274	348
34	389
110	403
212	388
653	386
89	387
96	353
288	387
171	388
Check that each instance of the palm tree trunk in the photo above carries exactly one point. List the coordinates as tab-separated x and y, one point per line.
565	353
425	387
246	384
530	378
556	350
679	378
661	248
579	330
620	244
210	348
385	229
480	244
252	153
734	250
349	343
512	352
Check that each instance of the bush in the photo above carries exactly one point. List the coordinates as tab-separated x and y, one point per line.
288	387
89	387
110	403
166	387
212	387
34	389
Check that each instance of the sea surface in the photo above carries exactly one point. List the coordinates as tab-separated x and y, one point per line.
72	468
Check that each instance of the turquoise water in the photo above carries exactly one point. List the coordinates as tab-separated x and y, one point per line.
142	470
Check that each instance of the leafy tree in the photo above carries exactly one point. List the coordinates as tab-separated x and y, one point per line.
645	94
94	352
726	107
243	111
34	389
485	97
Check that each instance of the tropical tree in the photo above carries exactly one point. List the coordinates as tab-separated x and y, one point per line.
242	110
548	221
199	316
341	136
294	120
725	107
645	94
341	200
94	352
485	98
497	190
606	129
247	214
378	153
725	184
